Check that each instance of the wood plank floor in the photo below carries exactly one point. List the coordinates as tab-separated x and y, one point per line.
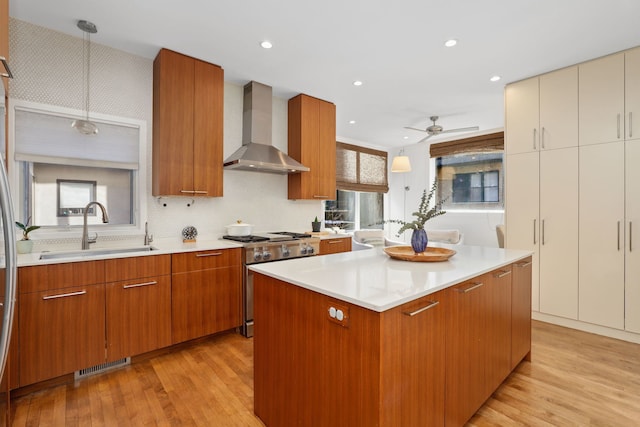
574	379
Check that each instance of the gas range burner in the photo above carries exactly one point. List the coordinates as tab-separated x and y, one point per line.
293	235
246	239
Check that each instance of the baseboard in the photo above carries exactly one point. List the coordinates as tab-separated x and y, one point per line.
587	327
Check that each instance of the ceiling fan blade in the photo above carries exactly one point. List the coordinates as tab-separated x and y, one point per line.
469	129
420	130
425	138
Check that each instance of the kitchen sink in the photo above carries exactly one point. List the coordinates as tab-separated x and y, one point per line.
95	252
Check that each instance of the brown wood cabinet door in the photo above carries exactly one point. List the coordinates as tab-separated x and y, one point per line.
173	124
326	157
520	311
138	316
207	129
205	302
60	332
465	349
334	246
498	341
413	363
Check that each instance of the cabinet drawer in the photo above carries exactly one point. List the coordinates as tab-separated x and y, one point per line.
137	267
202	260
334	246
59	276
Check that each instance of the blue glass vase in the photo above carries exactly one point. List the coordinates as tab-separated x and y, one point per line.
419	240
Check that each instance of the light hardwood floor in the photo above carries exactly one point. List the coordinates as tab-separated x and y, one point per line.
574	379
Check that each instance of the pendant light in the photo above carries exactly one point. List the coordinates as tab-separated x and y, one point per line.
401	163
85	126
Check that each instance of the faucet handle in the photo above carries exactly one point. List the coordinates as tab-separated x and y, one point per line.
93	239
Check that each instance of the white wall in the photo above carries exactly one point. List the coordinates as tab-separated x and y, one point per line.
47	67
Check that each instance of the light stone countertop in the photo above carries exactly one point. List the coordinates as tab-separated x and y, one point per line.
161	245
371	279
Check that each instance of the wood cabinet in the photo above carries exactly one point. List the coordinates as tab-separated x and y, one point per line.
312	142
206	293
521	311
138	305
61	319
187	126
429	362
334	246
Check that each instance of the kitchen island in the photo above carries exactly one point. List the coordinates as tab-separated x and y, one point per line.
361	339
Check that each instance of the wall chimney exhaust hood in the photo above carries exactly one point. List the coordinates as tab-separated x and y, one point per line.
257	154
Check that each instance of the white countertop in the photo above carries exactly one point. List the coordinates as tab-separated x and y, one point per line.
370	279
162	246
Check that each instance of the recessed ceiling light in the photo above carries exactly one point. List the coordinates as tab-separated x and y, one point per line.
451	43
357	83
266	44
495	78
352	122
405	137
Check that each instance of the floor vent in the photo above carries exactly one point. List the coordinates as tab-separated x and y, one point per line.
98	369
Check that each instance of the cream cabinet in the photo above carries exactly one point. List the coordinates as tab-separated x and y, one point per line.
602	234
542	216
632	242
542	112
632	93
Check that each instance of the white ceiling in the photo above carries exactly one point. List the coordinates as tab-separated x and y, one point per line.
395	47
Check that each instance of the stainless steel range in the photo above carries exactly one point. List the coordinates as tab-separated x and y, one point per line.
269	247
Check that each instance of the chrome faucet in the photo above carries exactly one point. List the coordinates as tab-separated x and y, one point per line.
86	241
147	239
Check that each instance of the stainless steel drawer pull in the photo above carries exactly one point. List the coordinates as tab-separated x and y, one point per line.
618	235
630	236
535	133
542	137
8	74
470	288
320	197
420	310
524	264
618	125
334	241
503	273
137	285
70	294
542	240
630	124
209	254
187	191
534	232
200	191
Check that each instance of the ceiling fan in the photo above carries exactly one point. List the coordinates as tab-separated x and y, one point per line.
435	129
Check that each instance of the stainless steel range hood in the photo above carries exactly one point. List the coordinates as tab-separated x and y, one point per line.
257	154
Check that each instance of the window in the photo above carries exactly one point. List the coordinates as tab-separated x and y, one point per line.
469	172
59	171
354	210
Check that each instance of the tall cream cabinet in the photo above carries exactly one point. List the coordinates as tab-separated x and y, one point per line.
542	185
573	189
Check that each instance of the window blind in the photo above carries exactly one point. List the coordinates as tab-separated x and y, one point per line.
474	144
49	138
361	169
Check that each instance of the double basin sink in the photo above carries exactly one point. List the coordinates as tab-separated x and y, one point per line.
95	252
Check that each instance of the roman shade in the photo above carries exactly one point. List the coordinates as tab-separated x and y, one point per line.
474	144
361	169
48	138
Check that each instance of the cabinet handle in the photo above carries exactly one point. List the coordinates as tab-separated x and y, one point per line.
618	235
618	125
534	232
200	191
524	264
8	74
70	294
535	134
630	237
320	197
542	137
334	241
542	236
209	254
187	191
420	310
501	275
630	124
137	285
470	288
